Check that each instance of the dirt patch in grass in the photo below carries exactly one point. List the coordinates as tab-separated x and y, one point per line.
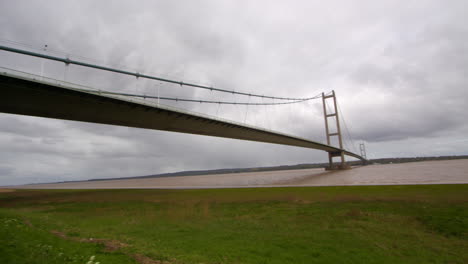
61	234
27	222
6	190
354	214
110	246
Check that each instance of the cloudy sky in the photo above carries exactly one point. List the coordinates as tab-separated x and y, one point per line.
399	68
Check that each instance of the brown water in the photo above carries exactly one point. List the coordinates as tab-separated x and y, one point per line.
428	172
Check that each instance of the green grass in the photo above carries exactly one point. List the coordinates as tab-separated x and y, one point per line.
361	224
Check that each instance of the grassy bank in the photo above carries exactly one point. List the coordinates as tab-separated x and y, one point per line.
361	224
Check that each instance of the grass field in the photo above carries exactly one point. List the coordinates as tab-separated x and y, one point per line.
359	224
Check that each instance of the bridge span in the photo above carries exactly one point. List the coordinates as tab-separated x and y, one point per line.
33	95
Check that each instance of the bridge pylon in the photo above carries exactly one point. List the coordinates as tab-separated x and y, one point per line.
362	149
333	115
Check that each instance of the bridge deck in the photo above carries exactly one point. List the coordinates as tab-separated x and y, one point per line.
26	95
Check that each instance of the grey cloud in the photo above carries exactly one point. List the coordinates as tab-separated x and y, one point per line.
19	125
422	78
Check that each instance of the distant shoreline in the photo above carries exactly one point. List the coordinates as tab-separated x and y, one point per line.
287	175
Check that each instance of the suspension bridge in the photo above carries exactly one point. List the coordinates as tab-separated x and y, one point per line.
35	95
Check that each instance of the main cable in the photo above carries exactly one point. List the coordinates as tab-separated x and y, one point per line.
68	61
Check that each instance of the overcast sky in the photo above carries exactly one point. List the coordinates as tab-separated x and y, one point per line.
399	69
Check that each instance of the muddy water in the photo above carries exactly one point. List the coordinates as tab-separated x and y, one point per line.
429	172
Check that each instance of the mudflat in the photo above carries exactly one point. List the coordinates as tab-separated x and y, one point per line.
426	172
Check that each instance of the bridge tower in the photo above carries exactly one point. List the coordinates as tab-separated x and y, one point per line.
334	115
362	149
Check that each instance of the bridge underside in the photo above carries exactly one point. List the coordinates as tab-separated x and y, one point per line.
26	96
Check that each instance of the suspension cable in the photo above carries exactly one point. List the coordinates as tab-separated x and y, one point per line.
139	75
347	130
189	100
